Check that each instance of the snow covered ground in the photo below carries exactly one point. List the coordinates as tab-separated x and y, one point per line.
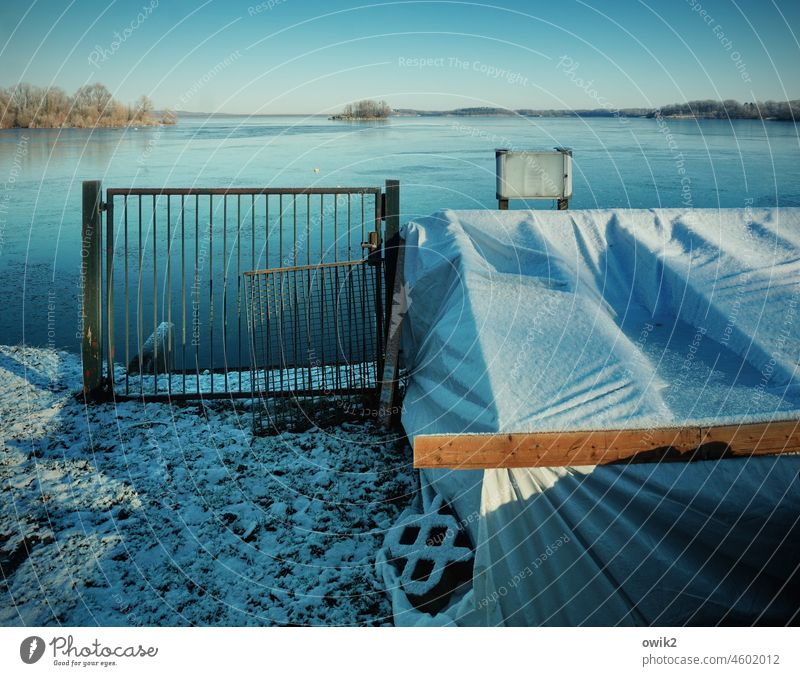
133	514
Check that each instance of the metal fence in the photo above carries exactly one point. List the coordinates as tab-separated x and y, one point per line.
165	311
316	340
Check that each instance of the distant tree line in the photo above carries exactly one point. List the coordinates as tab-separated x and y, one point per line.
730	109
365	110
27	106
707	109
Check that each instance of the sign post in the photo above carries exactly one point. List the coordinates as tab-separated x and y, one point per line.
528	174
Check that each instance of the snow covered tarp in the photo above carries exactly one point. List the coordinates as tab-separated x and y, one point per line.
526	321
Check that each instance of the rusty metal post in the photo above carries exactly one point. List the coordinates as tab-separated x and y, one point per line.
91	289
109	209
387	392
391	216
563	203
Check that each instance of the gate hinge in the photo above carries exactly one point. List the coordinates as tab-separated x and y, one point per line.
103	206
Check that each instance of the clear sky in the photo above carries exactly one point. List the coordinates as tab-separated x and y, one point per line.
299	56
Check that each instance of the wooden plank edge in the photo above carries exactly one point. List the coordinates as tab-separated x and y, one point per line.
602	447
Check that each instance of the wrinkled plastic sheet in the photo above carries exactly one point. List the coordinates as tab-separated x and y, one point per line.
605	319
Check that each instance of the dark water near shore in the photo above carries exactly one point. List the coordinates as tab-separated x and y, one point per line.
441	163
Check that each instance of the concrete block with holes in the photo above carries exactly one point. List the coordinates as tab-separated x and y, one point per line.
432	556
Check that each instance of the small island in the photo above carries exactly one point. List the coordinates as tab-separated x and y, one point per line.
364	110
26	106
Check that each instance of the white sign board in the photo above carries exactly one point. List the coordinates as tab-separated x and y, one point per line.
528	174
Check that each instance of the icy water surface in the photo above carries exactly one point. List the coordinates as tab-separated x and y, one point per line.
445	162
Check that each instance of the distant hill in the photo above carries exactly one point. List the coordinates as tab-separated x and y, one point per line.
707	109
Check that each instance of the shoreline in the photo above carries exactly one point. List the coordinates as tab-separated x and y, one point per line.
88	127
406	117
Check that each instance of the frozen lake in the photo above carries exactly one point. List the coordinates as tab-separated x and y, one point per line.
444	162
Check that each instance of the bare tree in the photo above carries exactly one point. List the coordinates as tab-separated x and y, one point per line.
366	110
6	112
143	108
25	105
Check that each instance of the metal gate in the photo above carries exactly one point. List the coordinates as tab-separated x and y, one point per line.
316	341
164	310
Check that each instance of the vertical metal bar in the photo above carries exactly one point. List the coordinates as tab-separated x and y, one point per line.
322	285
294	229
252	262
308	229
155	302
91	292
379	357
350	297
391	241
110	293
238	290
378	292
336	229
224	290
251	334
322	229
168	346
363	305
140	308
211	287
280	340
309	295
268	317
330	324
196	293
183	291
295	309
125	300
336	360
255	390
264	347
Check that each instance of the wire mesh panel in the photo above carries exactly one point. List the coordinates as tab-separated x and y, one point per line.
315	352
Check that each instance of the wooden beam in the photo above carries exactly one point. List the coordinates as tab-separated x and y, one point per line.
558	449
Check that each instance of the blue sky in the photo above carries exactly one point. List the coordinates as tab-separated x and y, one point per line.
296	56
